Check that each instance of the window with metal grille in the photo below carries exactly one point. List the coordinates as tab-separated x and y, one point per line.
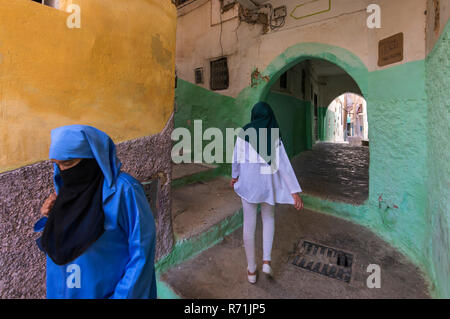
198	75
219	74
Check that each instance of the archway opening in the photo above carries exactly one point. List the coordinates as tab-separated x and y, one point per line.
345	120
324	126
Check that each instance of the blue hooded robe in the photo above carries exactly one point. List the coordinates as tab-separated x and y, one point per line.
120	264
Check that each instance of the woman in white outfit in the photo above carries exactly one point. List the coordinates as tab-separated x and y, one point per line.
262	174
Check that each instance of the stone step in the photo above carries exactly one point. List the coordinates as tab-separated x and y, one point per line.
183	174
184	170
198	206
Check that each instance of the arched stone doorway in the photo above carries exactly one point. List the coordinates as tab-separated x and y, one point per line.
262	84
301	98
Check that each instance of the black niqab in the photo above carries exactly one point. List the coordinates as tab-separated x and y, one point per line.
76	220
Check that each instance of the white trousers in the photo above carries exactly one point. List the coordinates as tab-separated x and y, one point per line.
268	220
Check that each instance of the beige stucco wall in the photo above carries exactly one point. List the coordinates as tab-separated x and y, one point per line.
199	39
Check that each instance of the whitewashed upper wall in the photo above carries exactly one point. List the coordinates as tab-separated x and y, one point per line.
201	38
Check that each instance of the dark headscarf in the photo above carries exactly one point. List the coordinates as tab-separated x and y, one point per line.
76	220
262	117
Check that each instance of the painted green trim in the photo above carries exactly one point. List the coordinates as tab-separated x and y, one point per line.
202	176
223	170
165	291
292	56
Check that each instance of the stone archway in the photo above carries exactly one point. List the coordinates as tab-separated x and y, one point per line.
296	54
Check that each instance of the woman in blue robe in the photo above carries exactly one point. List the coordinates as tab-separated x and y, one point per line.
99	236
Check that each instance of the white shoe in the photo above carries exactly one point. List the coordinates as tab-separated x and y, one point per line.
251	278
267	270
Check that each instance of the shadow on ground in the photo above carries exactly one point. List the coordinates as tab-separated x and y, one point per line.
220	272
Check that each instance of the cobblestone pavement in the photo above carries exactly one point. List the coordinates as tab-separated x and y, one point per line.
333	171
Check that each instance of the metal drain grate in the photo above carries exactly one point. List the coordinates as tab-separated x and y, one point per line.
323	260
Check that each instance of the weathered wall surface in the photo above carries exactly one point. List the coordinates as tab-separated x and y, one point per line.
22	192
438	12
116	72
246	47
398	150
438	86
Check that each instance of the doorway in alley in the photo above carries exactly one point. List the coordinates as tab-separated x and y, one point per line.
345	120
324	125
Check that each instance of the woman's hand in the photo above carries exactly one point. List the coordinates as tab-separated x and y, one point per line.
234	181
48	205
298	202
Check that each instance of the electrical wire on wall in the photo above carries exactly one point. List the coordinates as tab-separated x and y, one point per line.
258	16
221	26
271	18
223	9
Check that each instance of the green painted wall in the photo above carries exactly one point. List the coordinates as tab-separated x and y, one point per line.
309	118
215	110
291	116
409	161
397	109
437	68
195	102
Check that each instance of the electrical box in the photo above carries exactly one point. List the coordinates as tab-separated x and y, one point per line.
280	12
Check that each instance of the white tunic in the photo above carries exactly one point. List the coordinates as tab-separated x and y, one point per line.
257	187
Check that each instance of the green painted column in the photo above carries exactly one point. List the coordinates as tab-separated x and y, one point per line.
308	126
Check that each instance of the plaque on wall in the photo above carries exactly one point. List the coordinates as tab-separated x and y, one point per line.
390	50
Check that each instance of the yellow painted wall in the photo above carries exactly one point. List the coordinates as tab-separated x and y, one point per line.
116	72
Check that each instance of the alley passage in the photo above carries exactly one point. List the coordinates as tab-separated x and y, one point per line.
334	171
220	271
